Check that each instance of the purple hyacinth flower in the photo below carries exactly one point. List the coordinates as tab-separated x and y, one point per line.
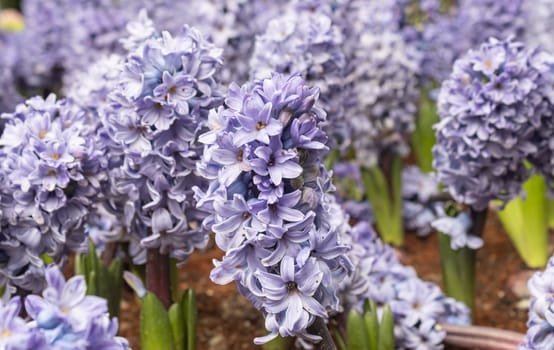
237	223
257	123
495	111
458	229
157	109
425	336
418	300
540	333
233	158
64	303
176	91
276	162
283	210
15	333
290	295
264	217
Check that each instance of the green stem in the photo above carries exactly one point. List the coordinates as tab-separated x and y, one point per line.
158	279
384	193
320	328
458	271
526	222
458	266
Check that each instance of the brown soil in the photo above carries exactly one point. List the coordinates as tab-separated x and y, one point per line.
226	320
496	305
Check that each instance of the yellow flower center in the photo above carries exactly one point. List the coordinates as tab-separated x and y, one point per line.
260	125
488	64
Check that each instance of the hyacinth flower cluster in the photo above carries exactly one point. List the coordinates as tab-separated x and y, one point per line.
382	99
384	95
491	108
52	167
424	26
90	88
440	41
63	318
441	33
66	36
306	43
490	18
160	103
492	111
264	157
419	307
540	333
9	96
229	24
538	16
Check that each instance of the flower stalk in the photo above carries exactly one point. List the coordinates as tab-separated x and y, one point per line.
158	274
458	271
319	328
458	265
109	253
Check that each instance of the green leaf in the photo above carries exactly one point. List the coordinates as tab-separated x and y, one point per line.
93	270
357	337
279	343
80	265
423	137
115	273
331	158
387	207
105	282
177	320
551	213
188	305
16	4
526	222
386	330
92	288
155	327
372	324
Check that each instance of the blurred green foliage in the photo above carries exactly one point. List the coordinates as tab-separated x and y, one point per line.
14	4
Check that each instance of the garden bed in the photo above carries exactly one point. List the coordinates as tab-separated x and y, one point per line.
227	320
